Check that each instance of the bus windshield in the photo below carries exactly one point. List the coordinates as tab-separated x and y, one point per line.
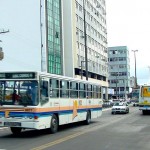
19	93
145	91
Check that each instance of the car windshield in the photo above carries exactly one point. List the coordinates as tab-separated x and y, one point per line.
19	93
119	104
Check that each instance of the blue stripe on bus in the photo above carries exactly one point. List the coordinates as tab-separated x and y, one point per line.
44	114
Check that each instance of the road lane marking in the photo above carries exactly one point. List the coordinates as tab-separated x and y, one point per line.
58	141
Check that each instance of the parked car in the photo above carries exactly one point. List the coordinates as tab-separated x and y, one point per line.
106	104
120	107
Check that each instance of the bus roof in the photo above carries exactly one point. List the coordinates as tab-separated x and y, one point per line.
33	74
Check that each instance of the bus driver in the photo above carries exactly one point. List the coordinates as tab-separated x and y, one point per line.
15	97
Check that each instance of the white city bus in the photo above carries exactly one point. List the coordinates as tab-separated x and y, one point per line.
54	100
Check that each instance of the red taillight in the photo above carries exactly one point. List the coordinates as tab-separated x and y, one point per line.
35	117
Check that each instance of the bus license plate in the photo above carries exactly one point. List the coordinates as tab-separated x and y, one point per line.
18	124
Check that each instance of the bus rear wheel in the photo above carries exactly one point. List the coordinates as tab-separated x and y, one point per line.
15	130
54	124
88	118
144	112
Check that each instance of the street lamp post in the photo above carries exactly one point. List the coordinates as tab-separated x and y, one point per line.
1	51
82	69
117	91
85	42
116	85
125	92
41	38
135	67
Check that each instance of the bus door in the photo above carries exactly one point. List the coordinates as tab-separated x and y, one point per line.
44	98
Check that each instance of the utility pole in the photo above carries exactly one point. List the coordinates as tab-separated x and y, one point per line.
116	84
1	54
85	42
135	67
2	31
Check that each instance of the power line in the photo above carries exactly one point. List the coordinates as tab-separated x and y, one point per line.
2	31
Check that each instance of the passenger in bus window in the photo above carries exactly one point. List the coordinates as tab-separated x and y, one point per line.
15	97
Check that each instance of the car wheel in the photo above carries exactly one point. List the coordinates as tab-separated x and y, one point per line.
15	130
112	113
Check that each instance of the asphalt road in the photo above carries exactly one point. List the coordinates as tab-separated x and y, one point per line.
109	132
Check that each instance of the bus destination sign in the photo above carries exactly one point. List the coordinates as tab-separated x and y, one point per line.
27	75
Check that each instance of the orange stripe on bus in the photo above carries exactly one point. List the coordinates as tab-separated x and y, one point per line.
49	108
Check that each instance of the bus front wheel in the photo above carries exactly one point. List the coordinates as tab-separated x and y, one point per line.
15	130
54	124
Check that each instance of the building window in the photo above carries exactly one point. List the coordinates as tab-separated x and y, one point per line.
54	37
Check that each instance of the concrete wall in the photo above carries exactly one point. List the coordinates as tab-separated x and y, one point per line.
67	38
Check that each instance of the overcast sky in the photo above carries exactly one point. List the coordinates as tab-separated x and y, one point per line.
21	45
128	24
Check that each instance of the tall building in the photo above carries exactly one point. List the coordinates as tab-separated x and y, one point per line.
84	30
119	70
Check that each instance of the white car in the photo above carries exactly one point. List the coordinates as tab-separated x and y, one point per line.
121	107
136	103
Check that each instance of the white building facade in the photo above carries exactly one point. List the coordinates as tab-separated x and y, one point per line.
74	28
119	70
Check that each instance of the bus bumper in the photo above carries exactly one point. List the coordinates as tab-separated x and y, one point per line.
19	124
144	107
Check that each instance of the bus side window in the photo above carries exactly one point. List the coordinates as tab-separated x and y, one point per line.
73	89
82	90
64	88
54	88
89	91
94	91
